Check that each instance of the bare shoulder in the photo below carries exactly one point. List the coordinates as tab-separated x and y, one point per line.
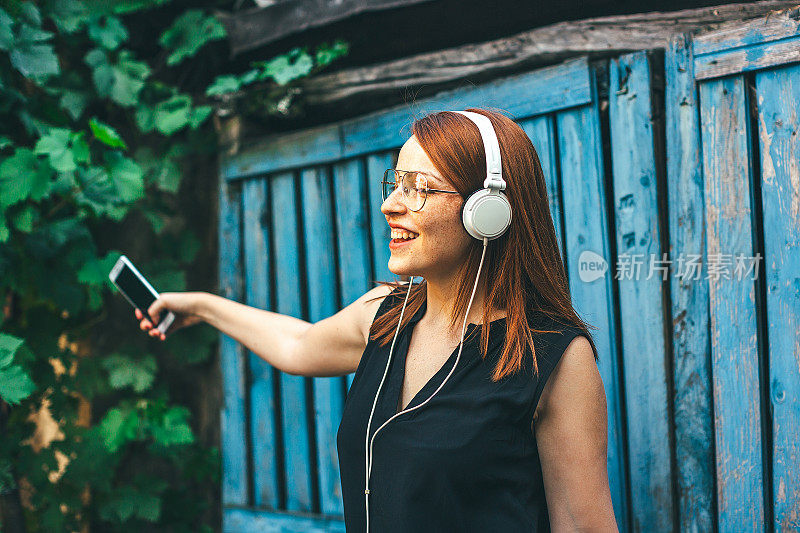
368	305
571	436
574	381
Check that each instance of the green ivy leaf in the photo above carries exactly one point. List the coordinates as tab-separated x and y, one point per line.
129	6
15	384
189	33
94	270
56	145
199	115
119	425
108	32
30	13
173	114
9	344
106	134
125	371
35	60
31	56
64	183
23	176
224	84
74	103
69	16
97	191
325	55
173	428
122	81
126	176
287	67
145	118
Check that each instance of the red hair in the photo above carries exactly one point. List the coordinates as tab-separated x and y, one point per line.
524	264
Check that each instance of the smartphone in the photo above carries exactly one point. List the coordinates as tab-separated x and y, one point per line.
137	290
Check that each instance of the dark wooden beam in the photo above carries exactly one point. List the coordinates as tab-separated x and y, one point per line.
391	83
255	27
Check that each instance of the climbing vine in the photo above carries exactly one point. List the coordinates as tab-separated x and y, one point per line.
95	136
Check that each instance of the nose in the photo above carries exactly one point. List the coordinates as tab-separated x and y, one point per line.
393	204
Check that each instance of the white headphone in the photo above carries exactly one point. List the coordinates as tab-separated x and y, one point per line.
486	215
487	212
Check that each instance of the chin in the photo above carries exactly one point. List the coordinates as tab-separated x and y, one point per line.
402	270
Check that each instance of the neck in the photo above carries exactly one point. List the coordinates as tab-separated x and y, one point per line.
441	299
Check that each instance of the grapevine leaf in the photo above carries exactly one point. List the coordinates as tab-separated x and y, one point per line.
125	371
9	344
56	146
173	114
224	84
118	427
126	175
174	428
189	33
108	32
23	176
106	134
69	16
15	384
287	67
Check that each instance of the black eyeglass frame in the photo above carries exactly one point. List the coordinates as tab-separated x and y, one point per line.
426	189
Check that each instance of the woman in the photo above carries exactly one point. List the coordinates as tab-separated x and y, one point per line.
513	438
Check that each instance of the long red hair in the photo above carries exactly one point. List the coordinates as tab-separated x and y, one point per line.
525	270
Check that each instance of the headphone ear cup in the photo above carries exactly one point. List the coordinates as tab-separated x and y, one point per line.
486	214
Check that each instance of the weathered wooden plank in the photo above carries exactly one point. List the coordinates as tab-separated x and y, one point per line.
307	147
353	232
251	28
321	275
247	521
753	57
775	26
380	231
541	131
423	74
778	99
558	87
641	292
262	380
694	425
586	233
734	347
294	410
232	361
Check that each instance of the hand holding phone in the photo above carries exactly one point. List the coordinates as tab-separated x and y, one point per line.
137	290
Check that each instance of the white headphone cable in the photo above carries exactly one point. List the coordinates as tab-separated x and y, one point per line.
368	457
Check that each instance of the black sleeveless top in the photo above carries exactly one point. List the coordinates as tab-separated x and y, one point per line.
465	461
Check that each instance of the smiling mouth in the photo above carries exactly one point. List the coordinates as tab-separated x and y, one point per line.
402	235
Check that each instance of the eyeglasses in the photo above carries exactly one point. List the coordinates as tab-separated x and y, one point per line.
413	187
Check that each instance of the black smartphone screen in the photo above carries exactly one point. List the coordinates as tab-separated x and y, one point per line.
133	287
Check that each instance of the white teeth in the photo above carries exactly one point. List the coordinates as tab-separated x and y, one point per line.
400	234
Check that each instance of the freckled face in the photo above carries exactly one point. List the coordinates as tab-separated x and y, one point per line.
443	242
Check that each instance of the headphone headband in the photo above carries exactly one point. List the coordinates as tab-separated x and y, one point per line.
494	168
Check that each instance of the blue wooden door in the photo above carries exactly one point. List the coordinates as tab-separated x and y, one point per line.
301	233
733	99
